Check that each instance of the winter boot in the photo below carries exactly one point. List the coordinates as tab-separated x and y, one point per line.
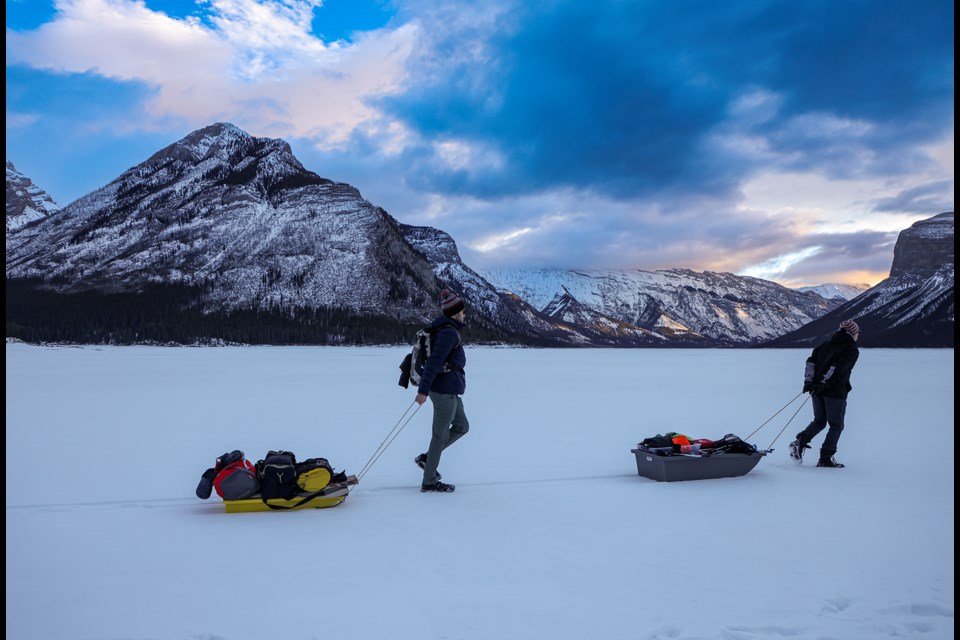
437	487
830	462
796	449
421	461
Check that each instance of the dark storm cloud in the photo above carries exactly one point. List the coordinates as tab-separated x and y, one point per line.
623	97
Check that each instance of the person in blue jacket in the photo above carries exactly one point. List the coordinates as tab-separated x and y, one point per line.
827	379
444	381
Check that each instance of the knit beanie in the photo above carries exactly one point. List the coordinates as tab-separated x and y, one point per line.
850	327
450	303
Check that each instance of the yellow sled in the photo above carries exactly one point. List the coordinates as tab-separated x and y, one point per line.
331	496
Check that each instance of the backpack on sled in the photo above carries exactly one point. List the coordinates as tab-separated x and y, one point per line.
233	476
411	368
278	475
314	474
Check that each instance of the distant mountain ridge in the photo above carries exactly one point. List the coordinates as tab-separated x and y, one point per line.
838	291
709	307
222	235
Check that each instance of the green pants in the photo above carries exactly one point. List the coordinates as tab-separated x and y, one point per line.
449	425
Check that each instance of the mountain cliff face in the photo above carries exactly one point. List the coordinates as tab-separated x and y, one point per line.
911	308
681	305
925	248
26	202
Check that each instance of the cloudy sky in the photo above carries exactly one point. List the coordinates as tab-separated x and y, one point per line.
786	140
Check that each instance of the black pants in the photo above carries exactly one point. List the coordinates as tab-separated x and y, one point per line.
825	411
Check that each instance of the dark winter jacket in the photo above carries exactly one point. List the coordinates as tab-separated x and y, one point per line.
447	349
830	365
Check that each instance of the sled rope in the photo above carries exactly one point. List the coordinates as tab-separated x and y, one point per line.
397	428
789	421
770	448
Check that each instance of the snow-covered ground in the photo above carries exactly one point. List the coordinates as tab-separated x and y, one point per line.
551	532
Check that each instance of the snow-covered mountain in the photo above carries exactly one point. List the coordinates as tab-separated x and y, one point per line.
26	202
831	291
911	308
238	216
679	303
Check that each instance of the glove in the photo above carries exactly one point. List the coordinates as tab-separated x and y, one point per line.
807	386
205	488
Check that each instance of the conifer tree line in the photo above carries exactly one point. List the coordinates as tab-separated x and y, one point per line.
173	314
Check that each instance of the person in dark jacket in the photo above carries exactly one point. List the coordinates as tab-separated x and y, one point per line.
827	379
444	381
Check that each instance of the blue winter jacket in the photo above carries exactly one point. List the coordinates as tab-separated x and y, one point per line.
447	348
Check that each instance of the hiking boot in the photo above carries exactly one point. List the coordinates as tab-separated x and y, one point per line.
796	450
437	487
830	462
421	461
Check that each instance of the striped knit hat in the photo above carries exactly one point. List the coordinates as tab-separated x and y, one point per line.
850	327
450	303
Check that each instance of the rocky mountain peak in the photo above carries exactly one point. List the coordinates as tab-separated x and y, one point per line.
224	140
227	155
925	247
26	202
437	246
